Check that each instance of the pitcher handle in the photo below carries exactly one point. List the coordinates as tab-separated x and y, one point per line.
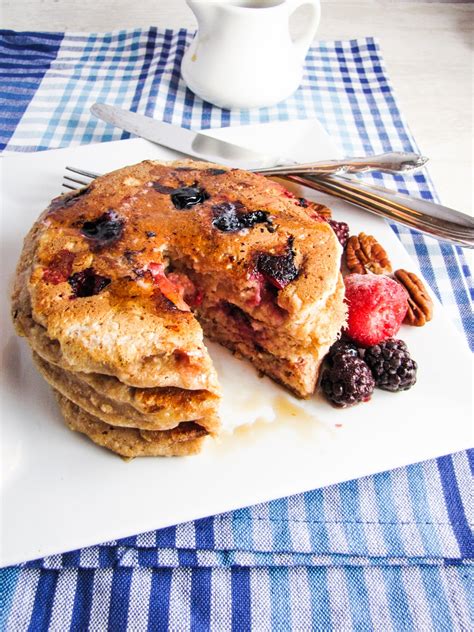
303	41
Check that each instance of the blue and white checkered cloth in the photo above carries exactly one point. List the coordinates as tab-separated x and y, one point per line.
387	552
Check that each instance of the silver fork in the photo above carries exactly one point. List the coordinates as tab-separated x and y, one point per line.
438	221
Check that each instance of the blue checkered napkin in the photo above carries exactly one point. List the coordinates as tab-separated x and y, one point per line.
391	551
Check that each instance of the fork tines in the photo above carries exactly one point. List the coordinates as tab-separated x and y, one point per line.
78	183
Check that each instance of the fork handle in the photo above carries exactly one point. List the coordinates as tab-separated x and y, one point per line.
391	162
436	220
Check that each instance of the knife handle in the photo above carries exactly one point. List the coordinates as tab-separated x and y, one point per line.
438	221
391	162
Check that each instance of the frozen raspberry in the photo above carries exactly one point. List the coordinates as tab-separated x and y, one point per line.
391	365
348	381
341	229
376	308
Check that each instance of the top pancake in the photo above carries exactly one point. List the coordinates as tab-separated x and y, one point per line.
94	268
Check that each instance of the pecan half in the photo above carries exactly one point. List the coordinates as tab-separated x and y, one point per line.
420	305
365	254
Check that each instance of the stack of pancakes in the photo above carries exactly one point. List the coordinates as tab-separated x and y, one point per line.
116	284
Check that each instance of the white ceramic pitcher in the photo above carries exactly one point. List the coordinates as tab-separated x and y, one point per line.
243	55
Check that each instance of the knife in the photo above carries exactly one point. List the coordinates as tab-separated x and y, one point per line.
215	150
434	219
186	141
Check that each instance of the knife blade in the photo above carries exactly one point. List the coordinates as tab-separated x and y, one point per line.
186	141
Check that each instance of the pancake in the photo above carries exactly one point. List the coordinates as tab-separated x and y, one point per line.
166	407
118	283
113	271
184	440
280	357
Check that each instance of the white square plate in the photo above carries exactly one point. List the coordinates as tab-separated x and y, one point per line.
61	492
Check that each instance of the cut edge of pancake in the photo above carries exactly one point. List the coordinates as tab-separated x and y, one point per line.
110	412
129	443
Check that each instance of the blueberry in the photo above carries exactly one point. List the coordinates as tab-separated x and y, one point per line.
66	200
104	230
186	197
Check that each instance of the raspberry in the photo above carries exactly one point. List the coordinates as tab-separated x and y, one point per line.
172	287
341	229
348	381
377	307
60	267
391	365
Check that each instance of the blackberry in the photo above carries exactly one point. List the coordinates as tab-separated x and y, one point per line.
226	217
348	381
341	347
66	200
230	217
278	270
248	220
391	365
87	283
215	172
341	229
162	188
104	230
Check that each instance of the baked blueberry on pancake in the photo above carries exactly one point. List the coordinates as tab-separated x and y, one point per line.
118	283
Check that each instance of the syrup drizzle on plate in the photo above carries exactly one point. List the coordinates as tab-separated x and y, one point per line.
284	415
